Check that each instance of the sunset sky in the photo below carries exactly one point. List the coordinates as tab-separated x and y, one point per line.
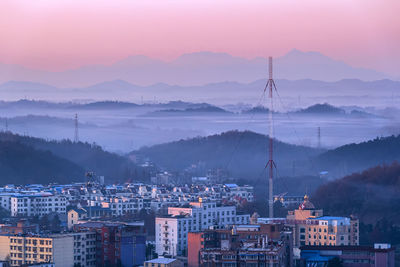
59	34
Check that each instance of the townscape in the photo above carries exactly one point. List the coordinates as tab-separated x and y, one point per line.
93	224
199	133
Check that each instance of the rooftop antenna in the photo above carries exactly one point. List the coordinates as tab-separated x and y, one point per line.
76	137
271	163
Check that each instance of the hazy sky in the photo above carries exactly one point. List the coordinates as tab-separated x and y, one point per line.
63	34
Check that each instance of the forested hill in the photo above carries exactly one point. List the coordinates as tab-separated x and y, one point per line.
322	109
23	164
242	154
89	157
373	196
358	157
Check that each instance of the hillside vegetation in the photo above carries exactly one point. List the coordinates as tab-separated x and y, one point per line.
87	157
373	196
23	164
243	154
352	158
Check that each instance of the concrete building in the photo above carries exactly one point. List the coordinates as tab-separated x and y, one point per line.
37	204
234	240
84	248
117	243
310	227
57	249
76	215
381	255
171	230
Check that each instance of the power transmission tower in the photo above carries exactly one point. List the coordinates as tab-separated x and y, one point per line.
271	163
76	136
319	137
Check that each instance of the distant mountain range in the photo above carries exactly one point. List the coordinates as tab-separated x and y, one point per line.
222	92
172	108
195	69
194	109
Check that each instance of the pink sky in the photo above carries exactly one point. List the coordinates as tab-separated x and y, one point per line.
59	34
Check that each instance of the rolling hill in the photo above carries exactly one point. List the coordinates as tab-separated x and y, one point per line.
87	157
23	164
243	154
352	158
324	109
373	196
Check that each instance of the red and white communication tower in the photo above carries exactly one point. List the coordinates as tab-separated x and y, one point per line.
271	164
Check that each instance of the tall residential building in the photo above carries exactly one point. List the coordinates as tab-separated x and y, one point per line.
171	230
117	243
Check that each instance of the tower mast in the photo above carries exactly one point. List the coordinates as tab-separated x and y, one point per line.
76	137
319	137
271	164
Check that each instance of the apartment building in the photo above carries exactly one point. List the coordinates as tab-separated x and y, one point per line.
330	231
206	214
84	248
5	200
57	249
244	245
311	227
123	205
117	243
37	204
232	239
76	215
172	230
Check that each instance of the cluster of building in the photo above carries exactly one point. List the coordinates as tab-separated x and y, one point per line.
38	200
94	243
197	225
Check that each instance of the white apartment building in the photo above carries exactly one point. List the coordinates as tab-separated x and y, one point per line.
171	231
37	204
171	234
123	205
5	200
84	248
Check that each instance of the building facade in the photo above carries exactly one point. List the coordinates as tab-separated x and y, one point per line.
25	250
172	230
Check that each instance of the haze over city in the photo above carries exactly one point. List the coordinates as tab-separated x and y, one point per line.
199	133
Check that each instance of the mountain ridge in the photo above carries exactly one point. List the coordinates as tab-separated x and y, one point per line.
196	68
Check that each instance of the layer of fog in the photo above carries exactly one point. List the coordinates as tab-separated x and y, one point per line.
124	130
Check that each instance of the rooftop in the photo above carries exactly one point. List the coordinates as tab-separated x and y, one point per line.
162	260
329	218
